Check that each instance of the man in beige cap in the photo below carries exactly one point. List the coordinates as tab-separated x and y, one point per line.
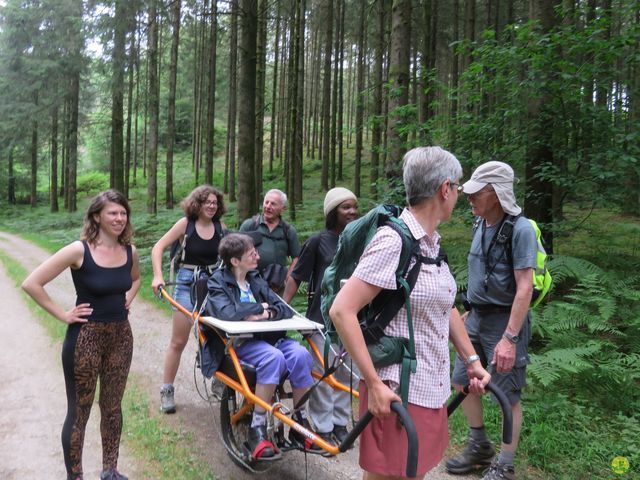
499	294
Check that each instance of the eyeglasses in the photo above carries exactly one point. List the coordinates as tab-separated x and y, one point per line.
252	254
213	203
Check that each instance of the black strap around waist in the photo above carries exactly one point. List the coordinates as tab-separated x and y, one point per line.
489	308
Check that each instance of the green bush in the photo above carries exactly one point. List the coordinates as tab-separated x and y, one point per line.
92	182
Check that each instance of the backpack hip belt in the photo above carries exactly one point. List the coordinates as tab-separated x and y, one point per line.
488	308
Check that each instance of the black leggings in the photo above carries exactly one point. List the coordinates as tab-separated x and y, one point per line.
91	350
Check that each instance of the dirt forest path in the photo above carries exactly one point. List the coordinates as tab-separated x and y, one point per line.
34	404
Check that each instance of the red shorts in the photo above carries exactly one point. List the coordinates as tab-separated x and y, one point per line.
383	444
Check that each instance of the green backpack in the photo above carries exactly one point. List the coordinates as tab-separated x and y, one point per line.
375	317
542	281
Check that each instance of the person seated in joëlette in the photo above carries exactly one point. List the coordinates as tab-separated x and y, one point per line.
237	292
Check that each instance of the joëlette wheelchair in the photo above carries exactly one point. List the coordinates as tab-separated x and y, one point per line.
238	397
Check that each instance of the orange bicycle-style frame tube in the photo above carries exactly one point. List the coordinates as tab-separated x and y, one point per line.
243	387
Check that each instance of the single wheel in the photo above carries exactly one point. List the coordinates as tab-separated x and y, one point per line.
235	436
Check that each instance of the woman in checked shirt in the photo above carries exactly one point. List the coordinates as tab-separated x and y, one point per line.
431	178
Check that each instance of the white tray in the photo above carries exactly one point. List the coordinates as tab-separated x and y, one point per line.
296	322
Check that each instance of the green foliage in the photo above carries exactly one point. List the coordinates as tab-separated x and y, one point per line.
586	341
92	182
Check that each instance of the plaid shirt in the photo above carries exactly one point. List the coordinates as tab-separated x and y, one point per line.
431	301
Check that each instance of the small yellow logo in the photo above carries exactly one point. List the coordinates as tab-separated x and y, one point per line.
620	465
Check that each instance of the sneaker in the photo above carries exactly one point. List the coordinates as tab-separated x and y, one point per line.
296	437
262	449
340	433
474	455
167	403
112	474
498	471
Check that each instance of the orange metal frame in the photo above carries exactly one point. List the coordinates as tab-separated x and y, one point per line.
243	388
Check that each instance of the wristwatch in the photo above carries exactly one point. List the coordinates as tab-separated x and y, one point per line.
512	338
471	359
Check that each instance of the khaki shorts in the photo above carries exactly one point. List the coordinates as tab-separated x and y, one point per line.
485	331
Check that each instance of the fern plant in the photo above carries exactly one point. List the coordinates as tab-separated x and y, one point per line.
586	340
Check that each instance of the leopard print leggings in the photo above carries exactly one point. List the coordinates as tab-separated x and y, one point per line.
90	351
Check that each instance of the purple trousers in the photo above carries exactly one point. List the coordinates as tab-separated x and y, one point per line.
272	361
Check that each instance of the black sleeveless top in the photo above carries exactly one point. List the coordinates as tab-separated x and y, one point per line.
203	252
103	288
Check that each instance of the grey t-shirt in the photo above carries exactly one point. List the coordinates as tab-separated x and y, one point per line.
501	285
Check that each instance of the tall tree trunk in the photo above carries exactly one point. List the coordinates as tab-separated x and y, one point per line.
274	88
230	185
377	121
72	132
291	96
131	66
261	53
334	99
171	101
340	94
399	84
359	97
121	23
64	168
326	96
53	188
11	178
298	139
136	136
211	94
247	196
34	154
539	155
154	90
631	194
455	63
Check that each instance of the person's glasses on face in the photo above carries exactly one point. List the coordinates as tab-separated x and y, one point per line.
211	203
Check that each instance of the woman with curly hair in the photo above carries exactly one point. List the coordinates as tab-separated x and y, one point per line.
203	230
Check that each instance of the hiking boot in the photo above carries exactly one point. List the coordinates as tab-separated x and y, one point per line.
262	449
167	403
112	474
499	471
340	433
474	455
296	437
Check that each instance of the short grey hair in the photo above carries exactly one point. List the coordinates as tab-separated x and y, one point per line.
425	169
283	196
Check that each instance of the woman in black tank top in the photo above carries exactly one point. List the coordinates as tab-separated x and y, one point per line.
98	344
201	225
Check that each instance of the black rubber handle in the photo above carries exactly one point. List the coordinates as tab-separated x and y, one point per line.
503	401
409	427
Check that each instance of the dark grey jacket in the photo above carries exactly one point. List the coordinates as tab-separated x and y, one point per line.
224	303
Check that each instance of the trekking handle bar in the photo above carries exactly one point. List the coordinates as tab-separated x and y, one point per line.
410	428
507	418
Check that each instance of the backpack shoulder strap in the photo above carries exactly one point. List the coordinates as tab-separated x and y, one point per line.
217	225
191	227
388	303
285	229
